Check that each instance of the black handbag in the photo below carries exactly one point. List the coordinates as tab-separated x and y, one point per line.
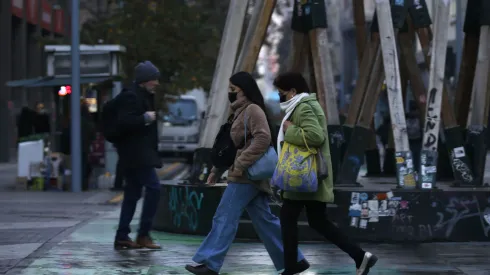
224	150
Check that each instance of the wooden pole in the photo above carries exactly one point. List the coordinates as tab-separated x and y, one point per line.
300	57
255	35
405	175
254	38
452	131
218	101
324	80
325	84
468	62
358	142
428	161
414	74
399	11
372	152
404	76
477	128
346	177
406	42
360	27
389	167
333	12
365	73
361	84
299	48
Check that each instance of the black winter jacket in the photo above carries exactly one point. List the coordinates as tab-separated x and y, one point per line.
139	147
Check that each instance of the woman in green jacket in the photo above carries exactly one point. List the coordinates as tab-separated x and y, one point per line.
304	114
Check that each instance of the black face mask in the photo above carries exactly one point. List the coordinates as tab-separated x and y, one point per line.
232	97
282	98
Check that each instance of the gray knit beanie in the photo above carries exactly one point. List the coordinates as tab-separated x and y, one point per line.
145	71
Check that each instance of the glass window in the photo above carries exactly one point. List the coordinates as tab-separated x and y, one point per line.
181	111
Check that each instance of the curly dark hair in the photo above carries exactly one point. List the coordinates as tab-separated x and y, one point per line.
291	80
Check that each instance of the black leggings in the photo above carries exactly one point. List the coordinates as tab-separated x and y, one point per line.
317	219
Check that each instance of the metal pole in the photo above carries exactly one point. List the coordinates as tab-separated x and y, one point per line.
76	142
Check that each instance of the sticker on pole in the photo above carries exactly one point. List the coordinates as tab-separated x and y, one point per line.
426	185
405	171
459	152
428	169
399	2
486	216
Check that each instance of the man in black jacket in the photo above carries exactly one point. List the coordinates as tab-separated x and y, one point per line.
138	156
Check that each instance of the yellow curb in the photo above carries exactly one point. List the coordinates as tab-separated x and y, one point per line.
119	197
167	169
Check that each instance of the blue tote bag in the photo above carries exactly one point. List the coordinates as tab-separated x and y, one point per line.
264	167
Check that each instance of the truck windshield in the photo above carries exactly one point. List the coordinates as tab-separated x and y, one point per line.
182	111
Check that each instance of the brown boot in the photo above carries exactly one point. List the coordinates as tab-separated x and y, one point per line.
125	244
147	242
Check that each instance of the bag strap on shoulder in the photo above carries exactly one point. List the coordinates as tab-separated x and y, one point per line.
245	120
316	114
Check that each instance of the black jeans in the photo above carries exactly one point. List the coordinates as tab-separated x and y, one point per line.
118	181
136	179
317	219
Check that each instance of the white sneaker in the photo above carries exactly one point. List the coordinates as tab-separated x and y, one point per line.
368	261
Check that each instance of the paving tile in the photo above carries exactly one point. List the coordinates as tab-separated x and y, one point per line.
6	265
37	225
24	236
89	250
17	251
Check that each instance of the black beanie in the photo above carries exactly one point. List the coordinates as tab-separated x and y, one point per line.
145	71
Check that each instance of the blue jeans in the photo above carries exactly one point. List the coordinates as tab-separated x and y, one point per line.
136	179
236	198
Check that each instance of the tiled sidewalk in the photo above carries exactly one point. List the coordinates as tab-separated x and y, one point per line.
88	251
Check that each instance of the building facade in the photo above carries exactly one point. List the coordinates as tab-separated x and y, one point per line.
24	24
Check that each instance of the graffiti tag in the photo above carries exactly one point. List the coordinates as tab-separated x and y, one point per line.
459	209
185	204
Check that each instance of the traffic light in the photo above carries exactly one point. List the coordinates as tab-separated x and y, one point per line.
64	90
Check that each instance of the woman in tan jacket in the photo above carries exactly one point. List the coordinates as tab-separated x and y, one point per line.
241	193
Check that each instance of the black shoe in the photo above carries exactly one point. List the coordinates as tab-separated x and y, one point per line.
368	261
200	270
301	266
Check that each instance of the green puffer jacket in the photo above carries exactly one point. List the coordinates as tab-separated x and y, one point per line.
309	116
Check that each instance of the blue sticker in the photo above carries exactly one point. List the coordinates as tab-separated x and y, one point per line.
363	197
399	2
354	213
396	199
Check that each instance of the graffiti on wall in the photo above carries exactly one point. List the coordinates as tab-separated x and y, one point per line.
460	208
185	204
411	216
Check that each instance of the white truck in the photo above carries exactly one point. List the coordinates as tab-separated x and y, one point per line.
180	125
